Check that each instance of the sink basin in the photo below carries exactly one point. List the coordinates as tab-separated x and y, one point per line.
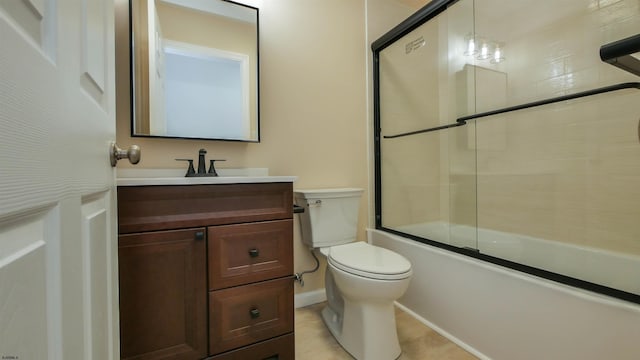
145	177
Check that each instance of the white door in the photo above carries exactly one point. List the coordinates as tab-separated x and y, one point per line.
58	263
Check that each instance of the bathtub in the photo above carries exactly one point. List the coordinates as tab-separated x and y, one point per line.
499	313
616	270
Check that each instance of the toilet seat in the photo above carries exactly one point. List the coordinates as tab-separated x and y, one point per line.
366	260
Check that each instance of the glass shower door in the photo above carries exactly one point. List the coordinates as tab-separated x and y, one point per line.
428	177
505	136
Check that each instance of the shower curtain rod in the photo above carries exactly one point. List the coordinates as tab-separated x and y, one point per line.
463	120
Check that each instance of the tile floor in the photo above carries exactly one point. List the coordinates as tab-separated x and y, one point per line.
418	342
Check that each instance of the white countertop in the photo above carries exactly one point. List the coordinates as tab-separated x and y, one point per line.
147	177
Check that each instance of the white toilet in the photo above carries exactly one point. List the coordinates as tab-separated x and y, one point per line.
362	281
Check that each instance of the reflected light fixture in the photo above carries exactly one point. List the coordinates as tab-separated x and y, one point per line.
484	52
489	49
498	55
471	46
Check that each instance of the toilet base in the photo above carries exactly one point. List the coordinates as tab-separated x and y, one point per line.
366	331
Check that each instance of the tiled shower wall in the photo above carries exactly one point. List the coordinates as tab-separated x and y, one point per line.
569	171
565	172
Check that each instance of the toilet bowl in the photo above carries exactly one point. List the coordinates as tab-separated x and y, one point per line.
368	279
362	281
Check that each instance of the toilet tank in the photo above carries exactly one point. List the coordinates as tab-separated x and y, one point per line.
330	216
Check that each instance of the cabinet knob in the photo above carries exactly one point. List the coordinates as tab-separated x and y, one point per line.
254	253
199	235
254	313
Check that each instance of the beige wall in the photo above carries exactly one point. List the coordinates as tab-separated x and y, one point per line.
313	105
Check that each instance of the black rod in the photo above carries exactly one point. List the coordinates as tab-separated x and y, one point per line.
602	90
377	151
618	53
463	120
426	130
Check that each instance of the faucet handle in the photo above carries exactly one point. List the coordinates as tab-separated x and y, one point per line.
190	171
212	169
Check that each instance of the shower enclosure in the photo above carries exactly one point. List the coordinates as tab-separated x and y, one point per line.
501	133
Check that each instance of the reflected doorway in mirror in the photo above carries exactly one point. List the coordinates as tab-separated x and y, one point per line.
206	92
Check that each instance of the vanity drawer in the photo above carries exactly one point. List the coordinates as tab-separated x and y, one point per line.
162	207
243	315
244	253
280	348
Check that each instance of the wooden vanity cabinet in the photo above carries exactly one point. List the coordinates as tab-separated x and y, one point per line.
206	271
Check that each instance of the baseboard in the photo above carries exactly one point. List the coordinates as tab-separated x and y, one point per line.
442	332
309	298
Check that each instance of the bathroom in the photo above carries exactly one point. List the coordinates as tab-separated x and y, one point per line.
316	123
329	102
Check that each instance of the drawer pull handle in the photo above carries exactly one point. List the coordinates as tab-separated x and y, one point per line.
254	253
254	313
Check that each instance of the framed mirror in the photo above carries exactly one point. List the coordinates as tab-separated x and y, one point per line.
194	70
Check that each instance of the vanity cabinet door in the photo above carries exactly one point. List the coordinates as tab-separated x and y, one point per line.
246	253
163	295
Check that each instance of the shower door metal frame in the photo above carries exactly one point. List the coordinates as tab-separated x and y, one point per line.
423	15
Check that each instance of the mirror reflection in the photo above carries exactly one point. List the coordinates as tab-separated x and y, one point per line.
194	69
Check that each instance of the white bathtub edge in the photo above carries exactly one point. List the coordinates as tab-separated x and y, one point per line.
526	277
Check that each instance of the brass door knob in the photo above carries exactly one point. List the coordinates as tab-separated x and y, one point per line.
115	154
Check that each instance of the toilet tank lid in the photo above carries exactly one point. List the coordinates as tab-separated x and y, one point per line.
327	193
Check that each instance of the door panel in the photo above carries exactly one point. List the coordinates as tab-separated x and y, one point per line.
31	16
97	255
23	281
93	42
